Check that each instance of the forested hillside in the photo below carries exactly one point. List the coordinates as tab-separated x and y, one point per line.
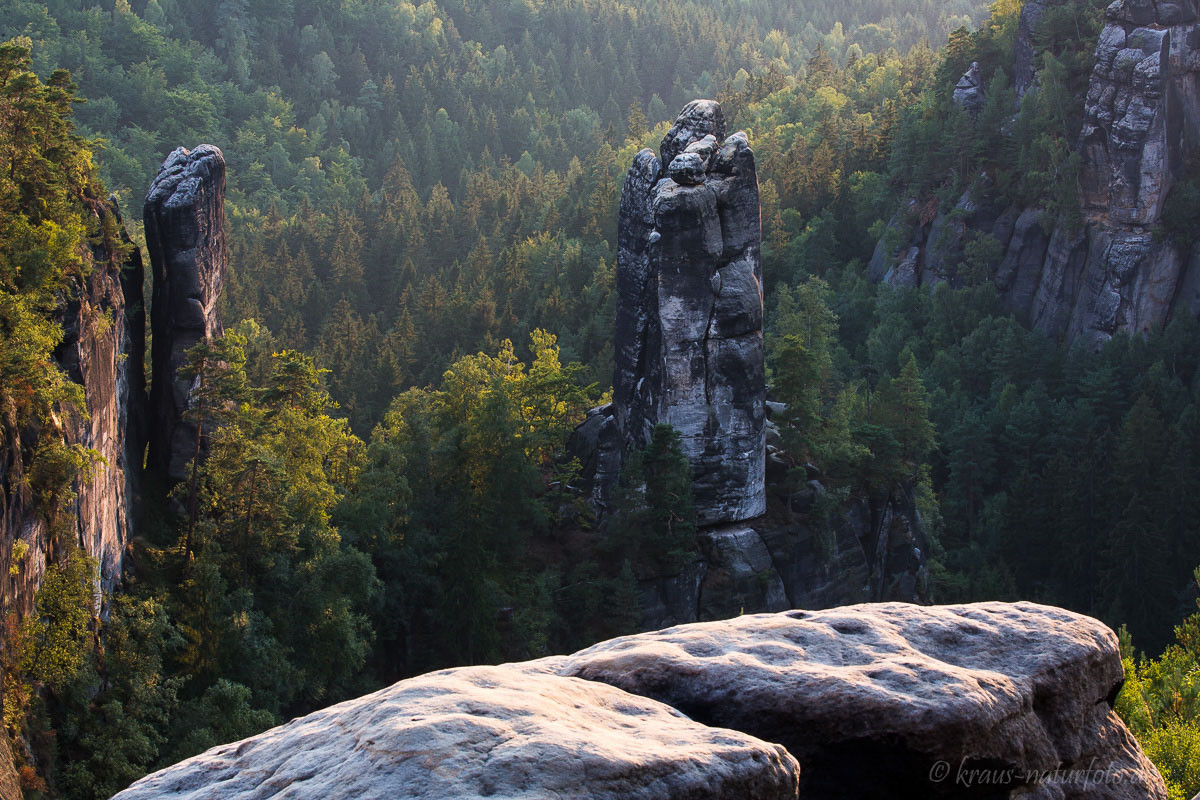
409	183
422	212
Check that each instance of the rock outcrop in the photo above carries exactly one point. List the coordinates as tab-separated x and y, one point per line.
990	700
688	352
102	349
968	92
689	348
1114	271
185	235
475	732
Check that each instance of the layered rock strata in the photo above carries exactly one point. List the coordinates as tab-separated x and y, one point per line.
185	235
990	700
689	350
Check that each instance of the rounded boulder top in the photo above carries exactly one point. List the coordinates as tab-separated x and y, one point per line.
687	169
698	119
183	173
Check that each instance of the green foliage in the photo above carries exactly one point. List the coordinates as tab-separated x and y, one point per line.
56	639
653	523
463	485
115	715
1160	702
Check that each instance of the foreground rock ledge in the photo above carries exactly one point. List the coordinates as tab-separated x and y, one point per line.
872	700
500	732
991	700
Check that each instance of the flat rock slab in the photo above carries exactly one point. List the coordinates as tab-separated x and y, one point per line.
498	732
893	700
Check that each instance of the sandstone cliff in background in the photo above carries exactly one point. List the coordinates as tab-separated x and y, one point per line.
102	350
990	700
1115	271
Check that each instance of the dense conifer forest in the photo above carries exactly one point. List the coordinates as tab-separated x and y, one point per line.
422	210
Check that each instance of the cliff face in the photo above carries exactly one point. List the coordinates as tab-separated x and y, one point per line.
102	350
990	700
185	234
1113	273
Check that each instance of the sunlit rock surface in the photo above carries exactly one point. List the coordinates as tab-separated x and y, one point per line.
475	732
990	700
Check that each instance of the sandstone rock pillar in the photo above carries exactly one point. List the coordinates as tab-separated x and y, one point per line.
689	341
185	235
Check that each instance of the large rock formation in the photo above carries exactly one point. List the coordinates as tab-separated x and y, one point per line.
873	700
1114	272
688	352
102	350
990	700
475	732
185	234
689	313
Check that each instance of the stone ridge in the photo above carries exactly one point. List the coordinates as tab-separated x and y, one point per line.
689	315
184	215
885	700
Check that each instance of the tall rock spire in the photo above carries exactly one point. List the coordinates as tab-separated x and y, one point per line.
689	341
185	234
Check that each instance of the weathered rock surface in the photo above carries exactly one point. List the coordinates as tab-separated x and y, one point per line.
502	732
1024	51
102	350
689	311
968	93
990	700
185	235
10	784
872	699
1112	273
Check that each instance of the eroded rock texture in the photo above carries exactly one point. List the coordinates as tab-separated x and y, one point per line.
991	700
1112	272
870	699
689	348
102	350
185	234
501	732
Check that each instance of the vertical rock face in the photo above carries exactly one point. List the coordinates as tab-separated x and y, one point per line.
185	234
689	310
102	349
1142	120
